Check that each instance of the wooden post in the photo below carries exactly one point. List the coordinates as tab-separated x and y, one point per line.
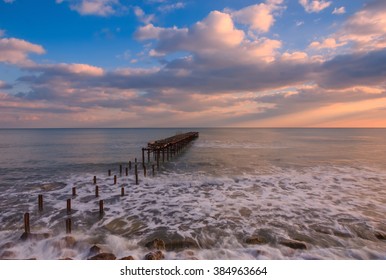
40	202
109	172
74	191
143	156
130	165
69	206
144	170
158	156
148	155
101	207
163	155
167	153
127	171
115	179
120	169
153	170
68	225
122	191
96	191
136	175
94	180
27	228
135	160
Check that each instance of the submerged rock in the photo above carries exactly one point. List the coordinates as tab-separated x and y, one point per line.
94	250
104	256
157	255
293	244
127	258
186	243
256	240
380	235
157	244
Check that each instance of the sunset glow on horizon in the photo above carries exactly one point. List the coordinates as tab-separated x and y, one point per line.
171	63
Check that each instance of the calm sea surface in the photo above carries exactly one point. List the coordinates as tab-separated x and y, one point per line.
232	194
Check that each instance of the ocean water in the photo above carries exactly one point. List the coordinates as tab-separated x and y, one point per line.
231	194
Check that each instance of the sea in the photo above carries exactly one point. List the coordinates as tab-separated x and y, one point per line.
232	193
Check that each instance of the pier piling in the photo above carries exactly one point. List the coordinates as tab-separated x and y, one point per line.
27	228
68	226
69	206
40	202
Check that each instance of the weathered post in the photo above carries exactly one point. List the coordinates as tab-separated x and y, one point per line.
96	191
153	169
144	170
69	206
74	191
163	155
127	171
130	164
158	156
68	226
115	179
122	191
40	202
101	207
136	175
148	155
109	172
27	228
120	169
143	156
95	180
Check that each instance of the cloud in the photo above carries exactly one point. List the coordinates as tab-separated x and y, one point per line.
329	43
94	7
141	16
259	17
9	1
339	11
366	29
314	6
171	7
15	51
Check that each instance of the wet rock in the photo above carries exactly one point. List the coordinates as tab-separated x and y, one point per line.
293	244
127	258
94	250
104	256
34	236
7	255
380	235
157	244
256	240
157	255
181	244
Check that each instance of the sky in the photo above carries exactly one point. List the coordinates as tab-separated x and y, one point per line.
212	63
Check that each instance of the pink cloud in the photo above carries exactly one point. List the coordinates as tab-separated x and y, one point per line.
15	51
314	6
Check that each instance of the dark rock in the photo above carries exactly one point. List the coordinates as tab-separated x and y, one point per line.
380	235
34	236
186	243
127	258
157	255
104	256
256	240
293	244
94	250
157	244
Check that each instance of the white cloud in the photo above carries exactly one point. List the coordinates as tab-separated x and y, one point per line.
329	43
94	7
314	6
9	1
15	51
171	7
140	14
259	17
339	11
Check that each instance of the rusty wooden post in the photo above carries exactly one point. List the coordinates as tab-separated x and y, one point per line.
136	175
130	164
27	228
153	170
115	179
144	170
74	191
109	172
96	191
127	171
94	180
68	225
40	202
69	206
101	207
122	191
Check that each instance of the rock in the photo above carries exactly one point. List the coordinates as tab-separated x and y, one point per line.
7	255
104	256
256	240
7	245
157	255
157	244
380	235
69	241
94	250
186	243
34	236
293	244
127	258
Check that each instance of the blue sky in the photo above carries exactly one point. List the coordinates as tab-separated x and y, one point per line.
123	63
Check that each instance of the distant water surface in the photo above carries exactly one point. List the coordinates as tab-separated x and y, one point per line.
232	194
